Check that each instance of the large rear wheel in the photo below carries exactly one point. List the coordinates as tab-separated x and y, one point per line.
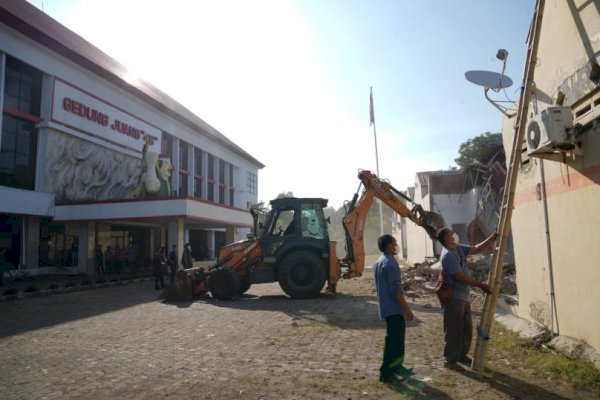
301	275
224	284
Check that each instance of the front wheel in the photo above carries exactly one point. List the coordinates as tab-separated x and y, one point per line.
224	284
301	275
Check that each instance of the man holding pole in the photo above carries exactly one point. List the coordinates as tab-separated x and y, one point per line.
458	325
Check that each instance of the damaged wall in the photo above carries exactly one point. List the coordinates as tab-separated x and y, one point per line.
569	44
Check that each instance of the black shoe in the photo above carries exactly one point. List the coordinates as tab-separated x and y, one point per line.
403	371
465	360
399	373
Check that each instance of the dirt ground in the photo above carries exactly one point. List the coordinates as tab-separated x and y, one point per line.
123	343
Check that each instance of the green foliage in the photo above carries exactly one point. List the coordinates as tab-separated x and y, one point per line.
469	151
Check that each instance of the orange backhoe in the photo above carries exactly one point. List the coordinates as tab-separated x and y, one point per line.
292	247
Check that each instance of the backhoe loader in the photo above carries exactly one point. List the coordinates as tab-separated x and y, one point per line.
292	247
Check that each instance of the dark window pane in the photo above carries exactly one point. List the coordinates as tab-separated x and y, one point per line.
23	86
18	153
198	162
198	188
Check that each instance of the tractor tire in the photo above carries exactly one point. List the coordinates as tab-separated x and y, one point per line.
244	285
224	284
301	275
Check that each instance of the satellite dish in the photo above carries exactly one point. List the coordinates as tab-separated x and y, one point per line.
489	79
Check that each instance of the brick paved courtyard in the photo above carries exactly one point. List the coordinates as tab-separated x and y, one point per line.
121	342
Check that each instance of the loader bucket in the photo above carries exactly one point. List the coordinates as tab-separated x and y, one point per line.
189	283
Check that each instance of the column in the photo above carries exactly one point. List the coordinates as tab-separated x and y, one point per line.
32	240
230	234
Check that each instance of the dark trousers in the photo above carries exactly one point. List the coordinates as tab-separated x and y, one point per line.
458	330
159	281
393	350
172	272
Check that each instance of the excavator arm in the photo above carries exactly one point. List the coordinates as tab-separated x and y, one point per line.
356	215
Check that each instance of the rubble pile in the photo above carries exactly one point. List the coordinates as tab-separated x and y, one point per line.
421	279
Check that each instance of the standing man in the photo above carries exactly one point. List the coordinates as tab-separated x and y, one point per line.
99	256
458	324
392	307
158	261
186	257
173	264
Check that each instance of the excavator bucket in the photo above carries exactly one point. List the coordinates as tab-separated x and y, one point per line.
432	223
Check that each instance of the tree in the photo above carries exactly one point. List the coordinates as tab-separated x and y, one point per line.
469	151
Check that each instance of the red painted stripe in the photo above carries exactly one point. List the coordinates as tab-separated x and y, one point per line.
571	182
23	115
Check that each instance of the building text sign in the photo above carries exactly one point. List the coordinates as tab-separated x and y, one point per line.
88	114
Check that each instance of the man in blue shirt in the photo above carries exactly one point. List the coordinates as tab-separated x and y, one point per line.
392	307
458	325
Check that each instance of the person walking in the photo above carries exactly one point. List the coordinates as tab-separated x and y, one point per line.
99	257
458	324
393	308
186	257
173	264
158	262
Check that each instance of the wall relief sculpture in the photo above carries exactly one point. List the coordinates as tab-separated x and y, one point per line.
79	170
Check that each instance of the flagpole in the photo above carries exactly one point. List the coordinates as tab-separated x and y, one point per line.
372	117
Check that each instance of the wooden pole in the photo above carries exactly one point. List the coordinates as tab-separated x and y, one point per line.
495	277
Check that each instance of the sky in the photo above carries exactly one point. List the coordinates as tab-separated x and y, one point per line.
289	80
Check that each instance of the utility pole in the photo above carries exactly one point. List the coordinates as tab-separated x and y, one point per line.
372	118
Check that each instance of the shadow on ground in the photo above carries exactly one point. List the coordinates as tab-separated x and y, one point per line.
416	389
44	311
513	387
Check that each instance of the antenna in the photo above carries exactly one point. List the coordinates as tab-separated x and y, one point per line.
494	81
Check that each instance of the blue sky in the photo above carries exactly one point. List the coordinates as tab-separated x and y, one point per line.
289	81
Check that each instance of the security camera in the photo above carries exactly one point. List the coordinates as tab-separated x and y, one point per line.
502	54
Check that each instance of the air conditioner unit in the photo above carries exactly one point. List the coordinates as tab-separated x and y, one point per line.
549	131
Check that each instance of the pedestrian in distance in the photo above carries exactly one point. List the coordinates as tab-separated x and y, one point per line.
158	264
99	257
458	324
186	257
393	308
173	264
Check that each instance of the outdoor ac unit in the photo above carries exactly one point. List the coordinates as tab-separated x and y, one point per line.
549	131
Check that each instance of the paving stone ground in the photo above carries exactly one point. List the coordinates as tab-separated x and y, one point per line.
122	343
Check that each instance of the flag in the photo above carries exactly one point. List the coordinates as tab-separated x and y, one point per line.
371	111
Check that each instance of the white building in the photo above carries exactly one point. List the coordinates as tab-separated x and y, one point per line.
72	155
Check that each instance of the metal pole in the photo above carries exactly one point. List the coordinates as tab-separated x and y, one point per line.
372	115
495	278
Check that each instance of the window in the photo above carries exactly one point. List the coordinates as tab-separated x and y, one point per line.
210	195
222	182
231	186
167	146
22	99
23	87
312	222
283	223
198	173
251	183
18	153
183	184
183	156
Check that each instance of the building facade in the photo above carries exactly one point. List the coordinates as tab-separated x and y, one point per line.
89	159
555	220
